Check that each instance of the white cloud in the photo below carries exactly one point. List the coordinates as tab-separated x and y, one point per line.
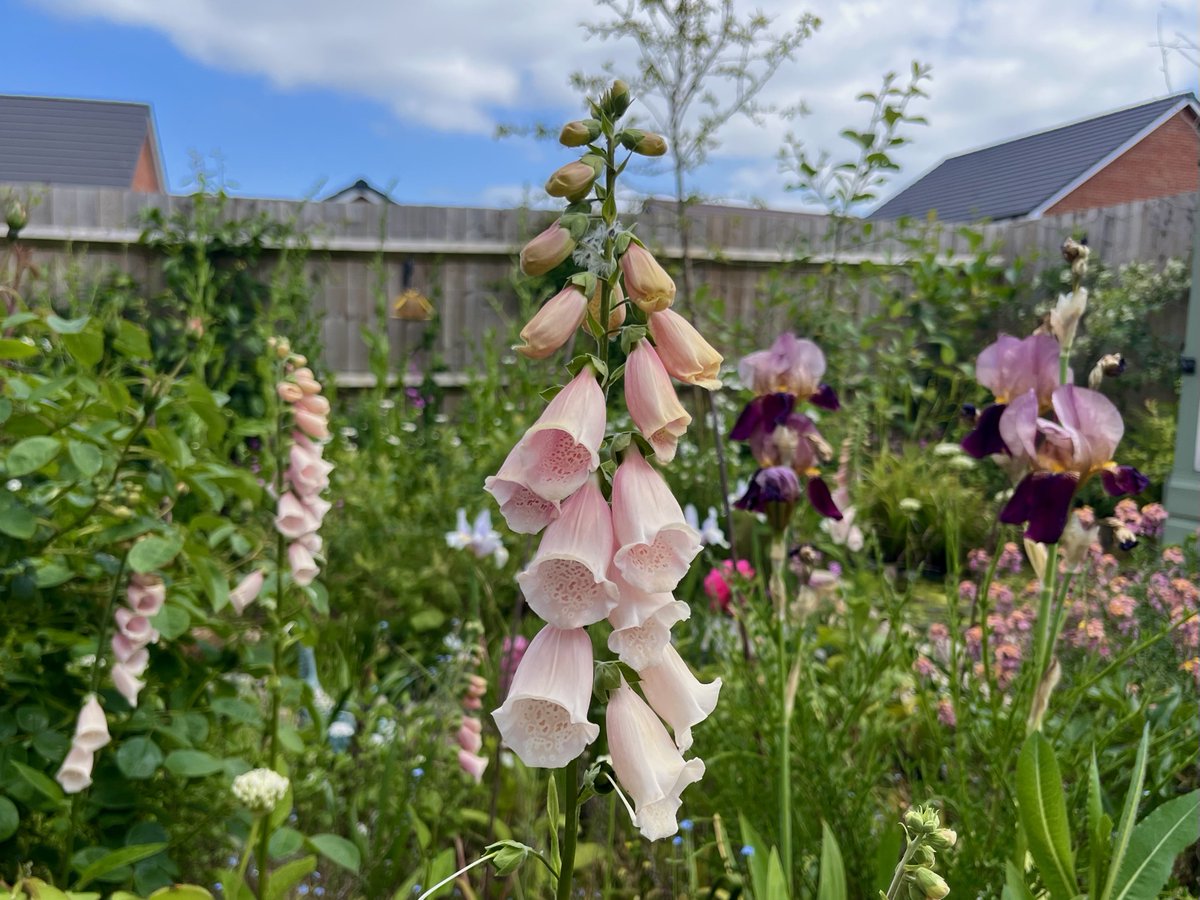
1000	68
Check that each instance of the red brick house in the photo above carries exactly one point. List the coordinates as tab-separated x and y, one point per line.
1136	153
101	143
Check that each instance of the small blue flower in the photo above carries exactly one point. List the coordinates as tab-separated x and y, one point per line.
319	891
686	825
747	850
418	772
302	890
217	886
677	840
416	889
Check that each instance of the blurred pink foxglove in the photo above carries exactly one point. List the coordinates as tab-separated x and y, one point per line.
655	545
246	592
642	623
145	594
653	405
544	718
567	583
647	762
303	566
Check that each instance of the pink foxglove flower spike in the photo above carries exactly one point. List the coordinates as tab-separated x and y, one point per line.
678	696
655	544
653	405
685	354
642	624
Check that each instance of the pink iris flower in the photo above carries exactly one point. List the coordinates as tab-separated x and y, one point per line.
1010	368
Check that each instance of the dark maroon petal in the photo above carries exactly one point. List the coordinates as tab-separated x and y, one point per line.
826	398
751	499
762	415
1123	480
822	500
985	439
748	422
1044	501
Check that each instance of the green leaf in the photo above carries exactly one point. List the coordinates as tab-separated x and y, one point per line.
1043	812
15	348
192	763
10	819
887	857
39	781
181	892
284	842
154	552
86	457
1128	814
1156	842
171	622
776	883
337	849
132	340
31	454
1099	829
1015	887
833	870
287	876
87	348
238	710
125	856
15	519
138	758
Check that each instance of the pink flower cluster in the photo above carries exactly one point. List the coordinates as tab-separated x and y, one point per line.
470	732
717	582
144	597
301	508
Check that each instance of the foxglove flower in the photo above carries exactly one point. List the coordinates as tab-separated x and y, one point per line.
685	354
75	773
647	762
246	592
642	623
1009	368
294	518
127	683
566	583
145	594
616	307
790	366
553	459
546	250
1061	456
300	561
646	282
91	728
544	717
473	764
678	697
552	325
655	544
653	405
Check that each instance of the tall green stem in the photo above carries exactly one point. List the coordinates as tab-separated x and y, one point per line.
779	596
893	890
566	868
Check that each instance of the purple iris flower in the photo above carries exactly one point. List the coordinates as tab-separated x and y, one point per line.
1011	367
790	366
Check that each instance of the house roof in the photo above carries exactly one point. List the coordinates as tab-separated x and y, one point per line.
81	142
1020	177
361	191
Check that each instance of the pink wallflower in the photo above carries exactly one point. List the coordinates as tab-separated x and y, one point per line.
1010	558
978	560
968	591
938	632
1127	512
945	713
716	582
1173	555
1154	518
924	666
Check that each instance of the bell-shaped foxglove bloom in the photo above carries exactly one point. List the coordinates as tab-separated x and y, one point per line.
646	282
1010	368
307	472
1062	455
145	594
554	457
126	682
653	405
91	728
75	773
567	581
678	697
473	764
546	250
790	366
685	354
246	592
655	545
647	762
300	561
552	325
642	623
294	518
544	717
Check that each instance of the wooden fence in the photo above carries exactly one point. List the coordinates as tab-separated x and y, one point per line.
464	257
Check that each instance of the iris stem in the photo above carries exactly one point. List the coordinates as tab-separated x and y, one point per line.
779	595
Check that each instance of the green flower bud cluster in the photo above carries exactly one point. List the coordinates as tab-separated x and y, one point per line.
926	838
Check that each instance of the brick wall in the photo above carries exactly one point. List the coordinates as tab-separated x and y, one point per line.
145	174
1165	162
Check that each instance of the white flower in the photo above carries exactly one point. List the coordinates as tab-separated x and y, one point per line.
75	773
963	462
341	729
647	763
13	484
844	532
460	538
260	790
947	450
91	728
910	504
710	531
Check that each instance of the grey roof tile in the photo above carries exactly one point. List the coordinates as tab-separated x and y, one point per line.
1015	177
79	142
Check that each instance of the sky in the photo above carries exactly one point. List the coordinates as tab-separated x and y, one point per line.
298	98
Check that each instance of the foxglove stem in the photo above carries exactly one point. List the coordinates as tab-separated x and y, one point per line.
893	890
566	866
606	289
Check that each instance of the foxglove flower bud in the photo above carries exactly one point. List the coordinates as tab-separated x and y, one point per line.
289	391
579	133
930	883
91	728
546	250
647	762
685	354
646	282
572	181
246	592
644	143
553	324
653	405
544	718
